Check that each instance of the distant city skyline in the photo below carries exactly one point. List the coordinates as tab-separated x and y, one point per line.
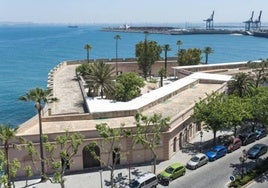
130	12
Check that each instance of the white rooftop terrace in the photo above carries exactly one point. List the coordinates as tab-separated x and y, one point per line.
103	105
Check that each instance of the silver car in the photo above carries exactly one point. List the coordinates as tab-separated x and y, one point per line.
197	161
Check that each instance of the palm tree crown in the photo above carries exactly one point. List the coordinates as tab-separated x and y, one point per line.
208	50
241	85
166	48
87	47
101	78
179	43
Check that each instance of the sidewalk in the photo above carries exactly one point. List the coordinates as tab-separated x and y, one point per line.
93	179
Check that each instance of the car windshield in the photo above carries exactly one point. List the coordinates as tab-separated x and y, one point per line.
169	170
195	159
255	148
214	150
134	184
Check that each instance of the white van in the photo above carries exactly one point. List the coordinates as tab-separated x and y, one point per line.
147	180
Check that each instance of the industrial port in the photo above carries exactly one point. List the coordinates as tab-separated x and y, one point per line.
252	27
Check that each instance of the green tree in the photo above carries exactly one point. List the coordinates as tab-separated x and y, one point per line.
128	86
260	70
208	50
147	52
111	144
191	56
7	134
241	85
101	78
236	110
166	48
39	97
29	173
162	73
210	112
60	153
65	147
179	44
87	47
83	70
259	107
149	130
116	37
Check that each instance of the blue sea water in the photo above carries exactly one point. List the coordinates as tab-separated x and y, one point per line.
28	52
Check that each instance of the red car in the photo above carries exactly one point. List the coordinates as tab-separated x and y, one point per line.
234	145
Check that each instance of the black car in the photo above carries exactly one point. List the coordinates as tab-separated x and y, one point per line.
247	138
256	151
260	133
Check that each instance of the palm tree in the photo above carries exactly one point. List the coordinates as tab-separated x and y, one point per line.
241	85
6	134
162	73
208	50
87	47
179	43
39	97
116	37
166	48
101	78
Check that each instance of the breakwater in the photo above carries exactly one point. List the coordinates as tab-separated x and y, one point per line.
180	31
171	30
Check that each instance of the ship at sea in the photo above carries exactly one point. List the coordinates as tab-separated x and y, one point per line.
73	26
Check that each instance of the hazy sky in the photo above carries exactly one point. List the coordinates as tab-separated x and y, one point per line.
130	11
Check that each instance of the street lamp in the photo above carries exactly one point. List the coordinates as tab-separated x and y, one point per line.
243	159
101	177
116	37
201	136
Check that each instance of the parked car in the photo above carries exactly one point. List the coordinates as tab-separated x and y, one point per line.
256	151
234	144
216	152
260	133
247	138
172	172
146	180
197	161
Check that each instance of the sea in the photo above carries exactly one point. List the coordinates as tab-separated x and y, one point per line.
29	51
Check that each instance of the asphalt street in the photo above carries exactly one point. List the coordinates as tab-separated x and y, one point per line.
217	173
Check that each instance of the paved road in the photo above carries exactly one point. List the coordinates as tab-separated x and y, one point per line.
217	173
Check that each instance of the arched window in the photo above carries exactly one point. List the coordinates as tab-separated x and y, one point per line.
88	159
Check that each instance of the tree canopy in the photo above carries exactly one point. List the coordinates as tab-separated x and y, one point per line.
147	52
101	79
128	86
191	56
241	85
210	112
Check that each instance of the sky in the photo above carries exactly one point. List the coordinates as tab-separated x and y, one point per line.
130	11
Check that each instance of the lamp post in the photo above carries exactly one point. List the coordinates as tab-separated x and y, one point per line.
116	37
243	159
101	177
201	136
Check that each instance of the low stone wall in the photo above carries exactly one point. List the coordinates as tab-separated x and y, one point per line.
131	65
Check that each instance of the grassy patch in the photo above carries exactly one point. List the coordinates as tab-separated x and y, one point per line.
250	175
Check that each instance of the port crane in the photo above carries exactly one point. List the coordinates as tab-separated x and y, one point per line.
209	22
257	23
249	22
